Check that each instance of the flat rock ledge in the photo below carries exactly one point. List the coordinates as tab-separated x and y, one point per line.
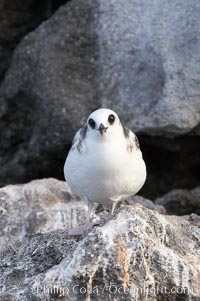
137	254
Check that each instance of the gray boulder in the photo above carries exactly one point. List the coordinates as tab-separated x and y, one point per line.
181	201
146	203
138	58
17	18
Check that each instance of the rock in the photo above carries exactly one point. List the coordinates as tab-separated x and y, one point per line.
17	18
138	254
40	206
181	201
44	251
146	203
140	59
193	219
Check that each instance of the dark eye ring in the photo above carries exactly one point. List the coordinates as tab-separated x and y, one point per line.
111	118
91	122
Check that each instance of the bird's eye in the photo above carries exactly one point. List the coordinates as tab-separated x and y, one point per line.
91	123
111	118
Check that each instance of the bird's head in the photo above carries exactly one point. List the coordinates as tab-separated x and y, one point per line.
103	123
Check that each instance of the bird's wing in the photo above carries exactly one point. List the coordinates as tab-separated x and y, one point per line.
79	138
132	140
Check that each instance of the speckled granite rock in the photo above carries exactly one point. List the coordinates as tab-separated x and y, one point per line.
137	255
139	58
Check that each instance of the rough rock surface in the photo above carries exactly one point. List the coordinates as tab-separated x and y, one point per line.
139	58
193	219
40	206
146	203
181	201
45	205
138	254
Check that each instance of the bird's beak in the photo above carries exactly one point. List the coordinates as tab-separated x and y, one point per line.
102	129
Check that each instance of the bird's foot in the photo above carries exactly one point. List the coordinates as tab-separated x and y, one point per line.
83	229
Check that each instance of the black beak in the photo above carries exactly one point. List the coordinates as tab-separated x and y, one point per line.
102	129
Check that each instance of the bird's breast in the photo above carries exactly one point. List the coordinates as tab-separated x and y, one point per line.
107	157
104	171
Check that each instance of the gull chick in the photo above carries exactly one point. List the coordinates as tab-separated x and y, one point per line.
105	163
